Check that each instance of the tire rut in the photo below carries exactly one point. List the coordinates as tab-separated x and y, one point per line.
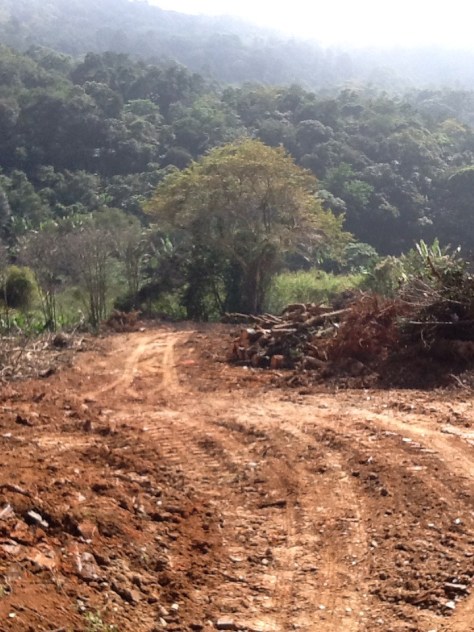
328	543
221	470
295	522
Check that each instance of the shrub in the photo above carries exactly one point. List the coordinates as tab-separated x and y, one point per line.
19	288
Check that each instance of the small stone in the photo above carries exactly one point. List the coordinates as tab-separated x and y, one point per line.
87	530
60	340
43	559
235	559
450	605
226	624
86	566
16	489
11	547
127	594
32	517
175	607
47	372
455	588
23	421
6	512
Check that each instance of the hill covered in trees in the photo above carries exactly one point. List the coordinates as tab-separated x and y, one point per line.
78	135
221	48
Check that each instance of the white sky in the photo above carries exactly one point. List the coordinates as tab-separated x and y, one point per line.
360	22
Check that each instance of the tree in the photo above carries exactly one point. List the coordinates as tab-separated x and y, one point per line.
241	208
128	240
89	248
43	252
455	216
3	284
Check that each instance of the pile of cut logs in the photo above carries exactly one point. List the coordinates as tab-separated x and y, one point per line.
296	338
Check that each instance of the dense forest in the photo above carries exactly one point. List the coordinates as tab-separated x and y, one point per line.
78	135
86	131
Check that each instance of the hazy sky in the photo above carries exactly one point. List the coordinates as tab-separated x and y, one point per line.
361	22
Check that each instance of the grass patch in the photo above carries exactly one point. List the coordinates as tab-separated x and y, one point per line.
311	286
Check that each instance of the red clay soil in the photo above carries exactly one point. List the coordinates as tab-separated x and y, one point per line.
152	487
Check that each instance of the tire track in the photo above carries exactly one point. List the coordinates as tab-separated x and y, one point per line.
454	451
329	543
216	467
295	536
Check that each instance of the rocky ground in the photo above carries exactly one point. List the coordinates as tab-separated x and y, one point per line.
151	486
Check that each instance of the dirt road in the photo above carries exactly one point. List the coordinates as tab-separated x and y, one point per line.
183	494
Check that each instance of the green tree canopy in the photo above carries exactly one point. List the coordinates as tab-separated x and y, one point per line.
242	207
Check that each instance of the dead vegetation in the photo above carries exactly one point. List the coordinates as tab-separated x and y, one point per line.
431	318
23	357
310	336
123	322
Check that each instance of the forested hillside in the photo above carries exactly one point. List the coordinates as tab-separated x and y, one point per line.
221	48
81	135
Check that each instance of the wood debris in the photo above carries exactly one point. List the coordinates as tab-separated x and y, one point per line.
292	339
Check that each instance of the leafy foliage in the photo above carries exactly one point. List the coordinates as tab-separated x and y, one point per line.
87	140
79	135
242	207
19	288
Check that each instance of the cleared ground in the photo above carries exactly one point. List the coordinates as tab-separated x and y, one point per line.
172	491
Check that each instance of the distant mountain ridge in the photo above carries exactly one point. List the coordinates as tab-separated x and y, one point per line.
221	48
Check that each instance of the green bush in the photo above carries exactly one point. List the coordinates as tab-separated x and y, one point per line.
169	305
390	275
312	286
386	277
20	288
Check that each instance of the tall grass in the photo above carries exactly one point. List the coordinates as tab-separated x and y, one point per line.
312	286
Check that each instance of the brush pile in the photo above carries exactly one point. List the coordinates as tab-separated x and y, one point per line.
309	336
431	319
22	356
123	322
